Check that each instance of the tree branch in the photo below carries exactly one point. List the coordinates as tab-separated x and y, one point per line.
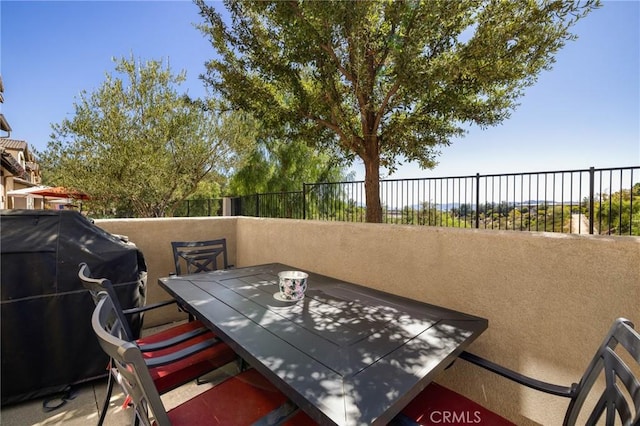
383	105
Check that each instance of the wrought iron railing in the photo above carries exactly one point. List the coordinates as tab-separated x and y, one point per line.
288	205
596	201
199	207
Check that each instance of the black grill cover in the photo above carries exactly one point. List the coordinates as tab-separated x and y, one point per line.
47	339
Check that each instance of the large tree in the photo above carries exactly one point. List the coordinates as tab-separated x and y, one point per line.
383	80
137	146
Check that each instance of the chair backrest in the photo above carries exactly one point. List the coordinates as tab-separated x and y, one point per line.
192	257
621	343
127	359
99	285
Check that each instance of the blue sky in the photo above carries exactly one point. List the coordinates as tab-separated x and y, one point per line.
585	112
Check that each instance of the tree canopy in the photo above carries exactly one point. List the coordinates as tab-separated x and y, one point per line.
137	146
383	80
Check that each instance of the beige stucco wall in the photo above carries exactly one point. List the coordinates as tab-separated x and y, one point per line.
549	298
153	237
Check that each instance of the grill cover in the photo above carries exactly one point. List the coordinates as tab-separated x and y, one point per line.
47	339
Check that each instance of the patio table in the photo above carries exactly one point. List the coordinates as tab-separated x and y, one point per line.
346	354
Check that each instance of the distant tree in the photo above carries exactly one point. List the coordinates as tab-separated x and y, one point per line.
354	212
466	210
619	213
204	201
383	80
137	146
276	166
273	166
504	208
408	215
462	215
430	214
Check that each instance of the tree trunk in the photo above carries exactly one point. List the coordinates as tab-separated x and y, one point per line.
372	189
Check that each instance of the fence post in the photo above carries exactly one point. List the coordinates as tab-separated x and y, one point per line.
477	200
235	206
227	206
592	185
188	209
304	201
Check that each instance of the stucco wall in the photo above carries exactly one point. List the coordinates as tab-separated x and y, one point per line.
549	298
153	237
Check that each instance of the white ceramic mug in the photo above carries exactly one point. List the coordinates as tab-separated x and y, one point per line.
292	284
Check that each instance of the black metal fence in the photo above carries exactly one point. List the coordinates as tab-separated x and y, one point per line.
289	205
596	201
190	208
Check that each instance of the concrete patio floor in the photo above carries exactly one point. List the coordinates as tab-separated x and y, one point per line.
85	408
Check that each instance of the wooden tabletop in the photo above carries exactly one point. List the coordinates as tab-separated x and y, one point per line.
346	354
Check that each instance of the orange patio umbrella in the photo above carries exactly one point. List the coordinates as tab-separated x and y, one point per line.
61	192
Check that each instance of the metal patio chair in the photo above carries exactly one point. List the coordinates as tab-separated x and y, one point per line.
192	257
243	399
620	379
175	356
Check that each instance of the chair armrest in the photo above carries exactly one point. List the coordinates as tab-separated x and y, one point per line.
172	341
148	307
183	353
567	392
